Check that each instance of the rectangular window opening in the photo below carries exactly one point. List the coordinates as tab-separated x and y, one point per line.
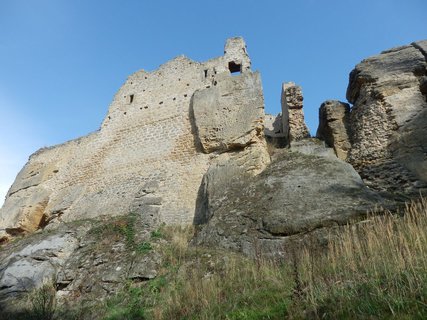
206	73
234	67
131	97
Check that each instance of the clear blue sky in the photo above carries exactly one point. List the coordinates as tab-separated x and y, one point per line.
61	61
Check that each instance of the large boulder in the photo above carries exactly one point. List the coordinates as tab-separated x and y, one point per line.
82	262
305	188
388	121
230	115
33	263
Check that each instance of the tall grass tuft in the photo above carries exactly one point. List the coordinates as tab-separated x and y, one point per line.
373	269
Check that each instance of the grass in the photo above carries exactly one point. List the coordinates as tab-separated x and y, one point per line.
376	269
203	283
122	227
215	285
43	303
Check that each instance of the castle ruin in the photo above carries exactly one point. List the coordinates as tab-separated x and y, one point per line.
176	137
162	131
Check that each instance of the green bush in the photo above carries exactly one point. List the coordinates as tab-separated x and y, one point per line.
42	303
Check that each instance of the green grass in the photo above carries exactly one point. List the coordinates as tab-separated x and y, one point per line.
376	269
126	305
157	234
373	270
123	227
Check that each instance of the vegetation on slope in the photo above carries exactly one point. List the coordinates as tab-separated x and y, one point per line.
375	269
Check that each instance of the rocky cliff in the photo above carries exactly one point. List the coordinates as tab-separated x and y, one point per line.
384	134
189	143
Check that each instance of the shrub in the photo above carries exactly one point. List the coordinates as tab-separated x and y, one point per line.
42	303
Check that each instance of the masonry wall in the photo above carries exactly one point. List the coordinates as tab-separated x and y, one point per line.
144	157
387	127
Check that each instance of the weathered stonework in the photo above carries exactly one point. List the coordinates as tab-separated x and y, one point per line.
273	131
387	124
147	156
273	126
333	122
294	127
230	115
185	143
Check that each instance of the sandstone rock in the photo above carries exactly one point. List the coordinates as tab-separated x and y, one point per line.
27	212
388	120
423	85
85	262
304	188
230	115
333	121
294	127
28	266
148	137
227	168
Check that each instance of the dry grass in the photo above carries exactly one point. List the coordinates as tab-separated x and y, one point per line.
232	289
375	270
271	148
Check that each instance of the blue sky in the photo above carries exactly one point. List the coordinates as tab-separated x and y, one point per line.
61	61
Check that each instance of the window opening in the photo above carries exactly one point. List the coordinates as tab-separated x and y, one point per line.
234	67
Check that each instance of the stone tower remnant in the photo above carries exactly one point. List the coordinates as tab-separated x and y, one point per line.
294	127
333	121
387	123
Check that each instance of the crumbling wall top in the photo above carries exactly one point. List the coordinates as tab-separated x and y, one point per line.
236	54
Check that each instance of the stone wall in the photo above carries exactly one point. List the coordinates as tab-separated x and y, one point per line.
294	127
384	134
146	156
333	122
289	125
388	120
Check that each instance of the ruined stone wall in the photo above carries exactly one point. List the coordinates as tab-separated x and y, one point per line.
333	123
294	127
146	156
387	125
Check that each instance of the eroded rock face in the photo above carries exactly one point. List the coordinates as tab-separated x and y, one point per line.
226	169
333	122
230	115
304	188
83	262
29	265
294	127
388	121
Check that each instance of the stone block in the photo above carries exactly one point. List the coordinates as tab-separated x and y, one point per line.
293	124
230	115
333	122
